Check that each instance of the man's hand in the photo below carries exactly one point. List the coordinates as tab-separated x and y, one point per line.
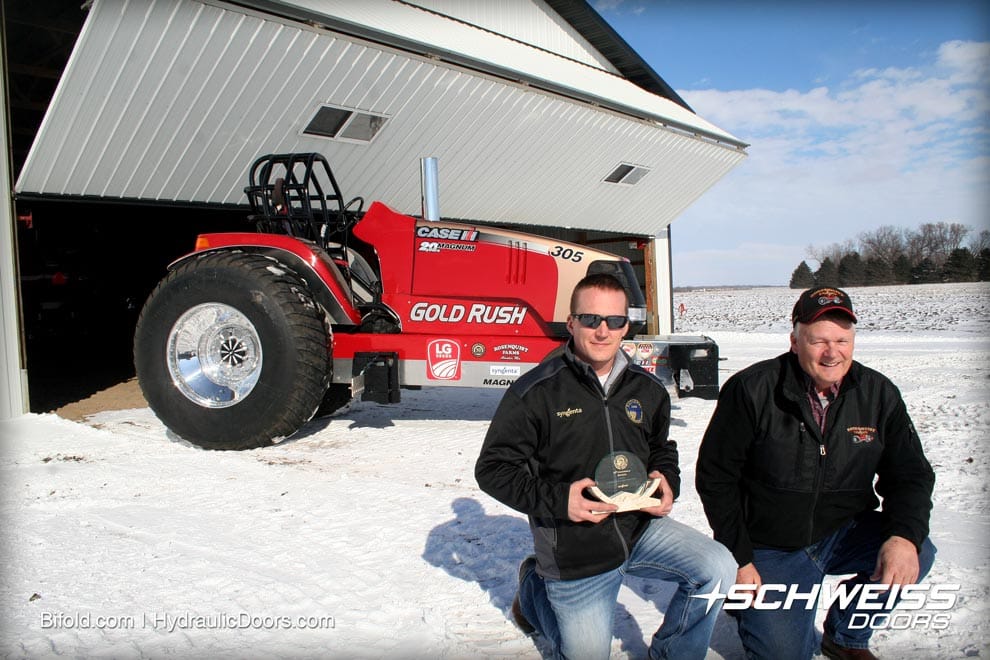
897	562
664	493
581	509
748	576
748	580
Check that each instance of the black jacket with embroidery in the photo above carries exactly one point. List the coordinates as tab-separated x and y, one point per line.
769	478
551	429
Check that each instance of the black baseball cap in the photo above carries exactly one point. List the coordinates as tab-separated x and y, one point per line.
815	302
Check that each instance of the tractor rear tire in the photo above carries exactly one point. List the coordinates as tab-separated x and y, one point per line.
231	351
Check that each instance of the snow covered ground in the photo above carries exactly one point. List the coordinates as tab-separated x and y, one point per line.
365	536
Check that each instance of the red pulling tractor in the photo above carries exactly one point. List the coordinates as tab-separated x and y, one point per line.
252	334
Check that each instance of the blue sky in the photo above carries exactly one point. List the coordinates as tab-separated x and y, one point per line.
859	115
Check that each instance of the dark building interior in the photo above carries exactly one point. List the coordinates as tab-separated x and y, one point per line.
86	266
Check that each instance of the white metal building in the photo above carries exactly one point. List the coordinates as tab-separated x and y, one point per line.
538	113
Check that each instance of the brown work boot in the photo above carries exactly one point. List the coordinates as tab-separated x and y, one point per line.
833	651
517	614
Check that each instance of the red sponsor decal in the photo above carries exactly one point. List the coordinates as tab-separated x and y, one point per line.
443	358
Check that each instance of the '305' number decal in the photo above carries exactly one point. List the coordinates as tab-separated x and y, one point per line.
566	253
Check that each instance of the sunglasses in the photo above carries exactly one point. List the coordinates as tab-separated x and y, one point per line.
592	321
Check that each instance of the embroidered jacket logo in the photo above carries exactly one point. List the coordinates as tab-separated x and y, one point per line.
634	411
861	434
569	412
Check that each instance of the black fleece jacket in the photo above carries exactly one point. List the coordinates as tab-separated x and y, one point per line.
768	477
551	429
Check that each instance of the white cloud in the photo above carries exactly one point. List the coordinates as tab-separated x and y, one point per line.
897	146
970	60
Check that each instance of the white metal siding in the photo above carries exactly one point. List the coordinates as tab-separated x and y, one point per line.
439	34
13	378
530	21
171	100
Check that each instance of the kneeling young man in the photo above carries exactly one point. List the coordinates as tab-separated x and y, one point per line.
549	434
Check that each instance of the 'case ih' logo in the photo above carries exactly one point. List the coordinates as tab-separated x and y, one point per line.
443	357
448	233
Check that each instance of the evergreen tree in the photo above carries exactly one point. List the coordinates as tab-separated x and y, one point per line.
983	265
827	274
901	270
925	272
960	266
851	270
876	272
802	277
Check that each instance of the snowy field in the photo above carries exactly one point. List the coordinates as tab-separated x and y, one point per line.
365	536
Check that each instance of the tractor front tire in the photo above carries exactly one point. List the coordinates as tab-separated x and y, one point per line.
231	351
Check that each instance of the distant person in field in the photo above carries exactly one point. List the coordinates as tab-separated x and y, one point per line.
682	310
548	436
786	474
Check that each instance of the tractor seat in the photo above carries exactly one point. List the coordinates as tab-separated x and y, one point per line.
365	283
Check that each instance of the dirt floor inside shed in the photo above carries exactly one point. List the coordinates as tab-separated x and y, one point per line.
121	396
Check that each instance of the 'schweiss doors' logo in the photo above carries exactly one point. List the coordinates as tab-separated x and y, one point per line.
444	359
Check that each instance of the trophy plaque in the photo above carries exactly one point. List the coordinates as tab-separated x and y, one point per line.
620	479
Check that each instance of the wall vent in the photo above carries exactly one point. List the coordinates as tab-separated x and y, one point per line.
344	124
627	174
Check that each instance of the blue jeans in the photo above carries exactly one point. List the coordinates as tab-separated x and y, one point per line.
783	634
575	616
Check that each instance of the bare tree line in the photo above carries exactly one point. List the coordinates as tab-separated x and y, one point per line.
933	252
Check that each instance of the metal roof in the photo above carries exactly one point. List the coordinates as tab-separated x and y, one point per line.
603	37
171	100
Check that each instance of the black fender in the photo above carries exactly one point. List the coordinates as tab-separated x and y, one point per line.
311	263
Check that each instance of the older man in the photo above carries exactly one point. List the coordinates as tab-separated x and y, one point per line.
786	474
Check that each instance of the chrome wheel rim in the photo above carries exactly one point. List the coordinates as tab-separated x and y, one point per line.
214	355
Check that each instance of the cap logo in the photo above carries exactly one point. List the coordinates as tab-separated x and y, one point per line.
827	296
815	302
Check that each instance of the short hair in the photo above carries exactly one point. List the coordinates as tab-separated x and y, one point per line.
597	281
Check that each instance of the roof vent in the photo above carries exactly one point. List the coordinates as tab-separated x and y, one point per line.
344	124
627	174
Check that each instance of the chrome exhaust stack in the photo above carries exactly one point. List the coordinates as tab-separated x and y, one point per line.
430	186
